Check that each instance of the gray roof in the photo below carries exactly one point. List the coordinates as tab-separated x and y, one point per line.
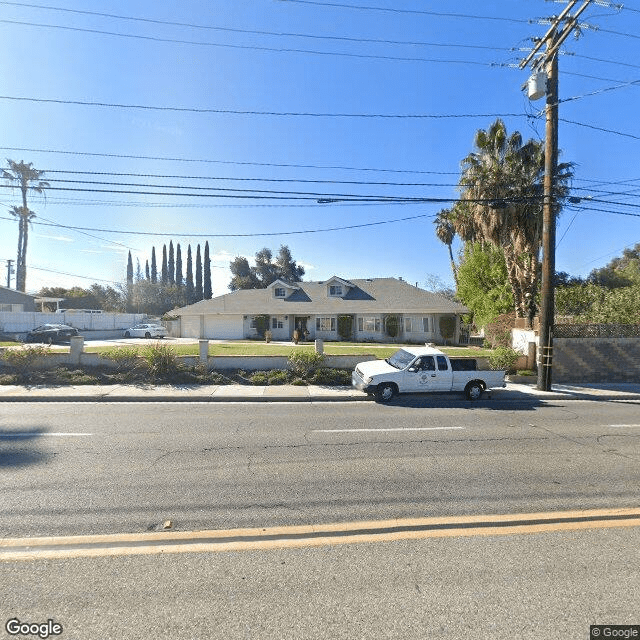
375	295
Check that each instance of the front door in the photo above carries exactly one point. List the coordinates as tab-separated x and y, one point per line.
301	326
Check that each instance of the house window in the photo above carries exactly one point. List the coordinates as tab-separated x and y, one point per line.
252	324
326	323
280	292
369	324
11	307
277	323
407	325
335	290
427	324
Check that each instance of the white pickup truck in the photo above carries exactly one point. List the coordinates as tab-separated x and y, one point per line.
420	370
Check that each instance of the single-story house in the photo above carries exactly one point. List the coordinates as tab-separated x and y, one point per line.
365	310
15	301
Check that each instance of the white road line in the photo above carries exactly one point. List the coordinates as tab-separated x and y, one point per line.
382	430
41	434
622	426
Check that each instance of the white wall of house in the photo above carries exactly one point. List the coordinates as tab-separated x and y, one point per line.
223	327
191	326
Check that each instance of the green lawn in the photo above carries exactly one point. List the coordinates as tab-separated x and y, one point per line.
330	348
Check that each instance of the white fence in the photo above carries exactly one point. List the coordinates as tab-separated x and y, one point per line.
18	322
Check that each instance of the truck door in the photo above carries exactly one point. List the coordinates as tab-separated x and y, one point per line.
425	374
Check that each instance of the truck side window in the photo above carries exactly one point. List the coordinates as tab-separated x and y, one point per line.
442	363
428	363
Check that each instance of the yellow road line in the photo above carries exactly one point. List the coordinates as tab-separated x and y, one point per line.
313	535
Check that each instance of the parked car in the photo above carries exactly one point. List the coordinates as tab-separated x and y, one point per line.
423	369
49	333
146	331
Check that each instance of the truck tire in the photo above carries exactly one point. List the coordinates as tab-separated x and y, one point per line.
386	391
474	390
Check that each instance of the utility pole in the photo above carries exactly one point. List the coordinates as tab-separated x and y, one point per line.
10	271
553	39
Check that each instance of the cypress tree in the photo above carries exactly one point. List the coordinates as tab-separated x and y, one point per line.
154	266
146	270
198	292
179	282
206	285
189	279
129	269
171	265
164	277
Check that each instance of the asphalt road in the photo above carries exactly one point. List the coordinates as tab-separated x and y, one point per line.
68	469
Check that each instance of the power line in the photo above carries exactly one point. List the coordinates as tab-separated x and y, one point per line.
249	47
286	34
236	235
591	126
227	162
236	179
287	114
407	11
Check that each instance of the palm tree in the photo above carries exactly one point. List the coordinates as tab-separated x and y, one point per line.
501	204
446	232
23	175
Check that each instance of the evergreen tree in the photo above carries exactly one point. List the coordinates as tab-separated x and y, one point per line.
154	266
164	277
190	291
265	271
146	270
207	290
198	293
129	269
139	275
171	265
179	282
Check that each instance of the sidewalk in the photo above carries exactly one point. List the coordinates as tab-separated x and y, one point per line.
289	393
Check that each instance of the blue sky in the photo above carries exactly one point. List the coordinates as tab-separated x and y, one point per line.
307	90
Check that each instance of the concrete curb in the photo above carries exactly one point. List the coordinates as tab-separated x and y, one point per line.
237	393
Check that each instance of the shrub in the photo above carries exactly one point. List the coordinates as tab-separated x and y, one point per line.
278	376
331	377
392	326
447	327
305	363
161	360
125	358
498	331
262	324
503	358
268	336
24	359
259	377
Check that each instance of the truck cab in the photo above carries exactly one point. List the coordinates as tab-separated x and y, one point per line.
422	370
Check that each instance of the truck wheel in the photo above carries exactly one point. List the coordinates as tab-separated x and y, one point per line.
474	391
385	392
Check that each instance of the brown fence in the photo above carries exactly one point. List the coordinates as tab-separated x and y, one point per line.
596	331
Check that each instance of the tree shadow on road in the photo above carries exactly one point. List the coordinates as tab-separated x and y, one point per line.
18	448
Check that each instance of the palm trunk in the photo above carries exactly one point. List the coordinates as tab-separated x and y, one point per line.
21	285
454	268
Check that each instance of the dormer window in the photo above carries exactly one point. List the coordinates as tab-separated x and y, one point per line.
335	290
280	292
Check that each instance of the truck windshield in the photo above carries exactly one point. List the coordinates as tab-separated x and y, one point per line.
400	359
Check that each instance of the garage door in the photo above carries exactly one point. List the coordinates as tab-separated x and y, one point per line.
190	327
223	327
